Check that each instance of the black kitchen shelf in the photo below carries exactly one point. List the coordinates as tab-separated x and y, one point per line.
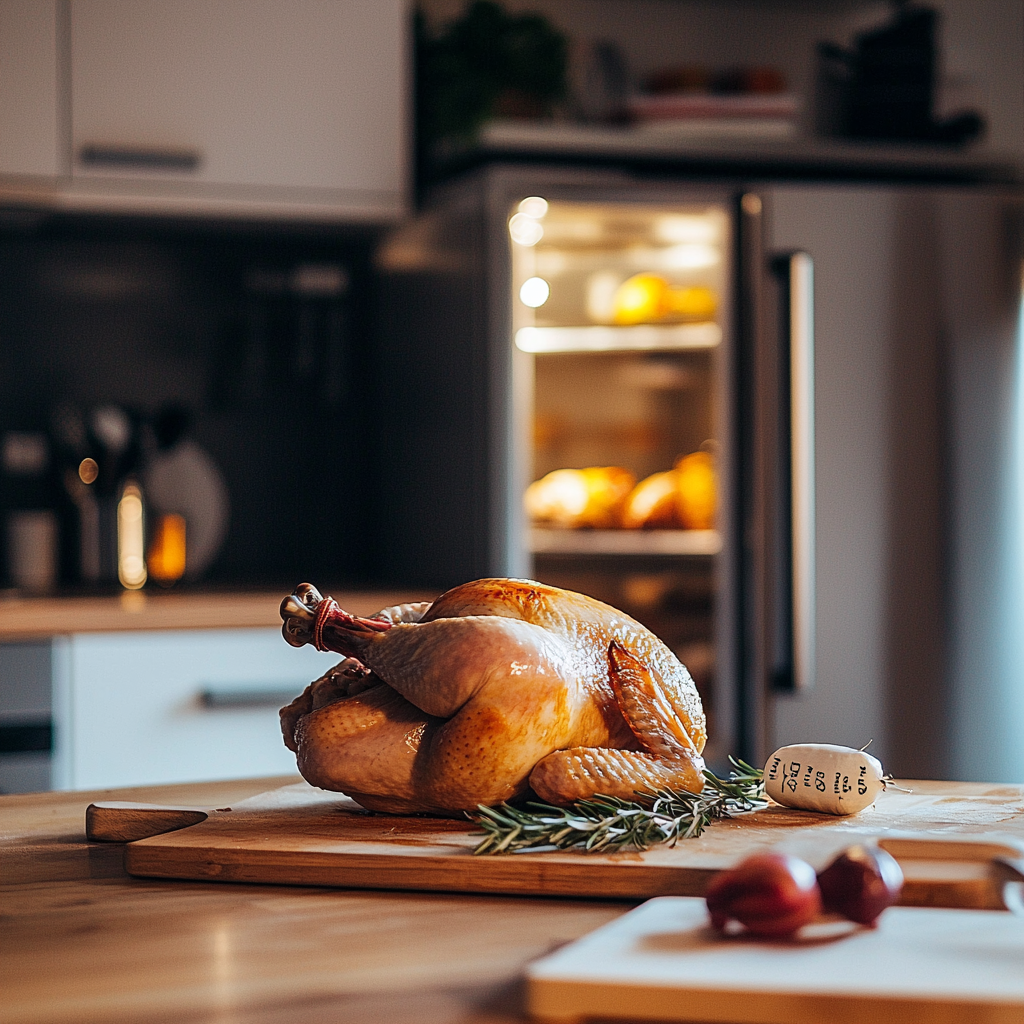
659	150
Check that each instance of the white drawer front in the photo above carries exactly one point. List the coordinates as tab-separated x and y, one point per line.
179	706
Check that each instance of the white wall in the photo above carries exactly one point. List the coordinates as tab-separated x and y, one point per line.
985	44
984	336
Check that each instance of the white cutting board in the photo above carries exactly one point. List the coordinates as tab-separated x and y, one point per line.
662	962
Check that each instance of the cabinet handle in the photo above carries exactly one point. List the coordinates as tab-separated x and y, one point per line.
150	158
249	697
26	737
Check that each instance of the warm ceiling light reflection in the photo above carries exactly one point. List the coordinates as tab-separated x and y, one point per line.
534	207
223	970
534	292
166	557
131	563
88	470
525	230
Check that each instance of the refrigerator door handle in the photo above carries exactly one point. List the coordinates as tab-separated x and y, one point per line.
799	317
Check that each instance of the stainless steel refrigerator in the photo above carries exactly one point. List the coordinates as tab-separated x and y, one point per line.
845	359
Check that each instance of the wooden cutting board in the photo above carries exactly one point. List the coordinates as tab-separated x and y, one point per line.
942	833
662	962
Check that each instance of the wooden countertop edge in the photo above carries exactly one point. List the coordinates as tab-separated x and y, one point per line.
39	618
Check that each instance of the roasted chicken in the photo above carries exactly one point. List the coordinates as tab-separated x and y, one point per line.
498	687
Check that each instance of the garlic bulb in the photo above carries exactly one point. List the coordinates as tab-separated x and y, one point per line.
823	777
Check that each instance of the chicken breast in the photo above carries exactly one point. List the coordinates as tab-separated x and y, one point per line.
498	687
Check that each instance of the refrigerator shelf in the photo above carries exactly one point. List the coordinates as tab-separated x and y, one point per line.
641	337
624	542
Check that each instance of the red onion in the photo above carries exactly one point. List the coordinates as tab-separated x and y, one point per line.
770	894
860	883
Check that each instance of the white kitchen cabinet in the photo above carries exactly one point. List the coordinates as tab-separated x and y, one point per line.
295	109
29	128
174	705
25	686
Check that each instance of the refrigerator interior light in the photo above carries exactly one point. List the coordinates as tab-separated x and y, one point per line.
550	262
542	540
534	206
580	231
601	289
687	228
643	337
534	292
690	256
525	230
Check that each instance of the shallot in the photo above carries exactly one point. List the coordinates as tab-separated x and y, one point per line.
860	883
770	894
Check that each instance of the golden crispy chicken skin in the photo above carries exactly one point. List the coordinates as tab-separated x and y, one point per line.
497	687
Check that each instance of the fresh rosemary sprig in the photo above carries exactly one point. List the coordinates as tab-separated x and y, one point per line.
610	823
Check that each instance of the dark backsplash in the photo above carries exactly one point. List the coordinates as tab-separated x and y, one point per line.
265	335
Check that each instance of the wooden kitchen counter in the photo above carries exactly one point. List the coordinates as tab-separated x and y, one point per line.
80	941
28	618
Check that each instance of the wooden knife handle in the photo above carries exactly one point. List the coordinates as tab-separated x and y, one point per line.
119	821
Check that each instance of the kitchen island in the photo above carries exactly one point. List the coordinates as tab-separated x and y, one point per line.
81	941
